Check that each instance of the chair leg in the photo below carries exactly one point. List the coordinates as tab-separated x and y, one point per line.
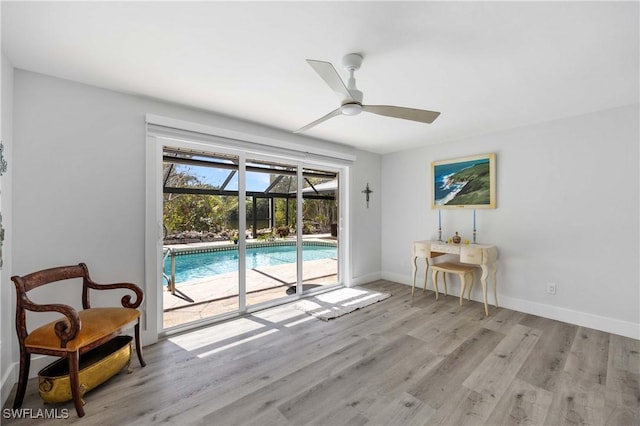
25	363
139	344
473	278
434	278
444	278
73	359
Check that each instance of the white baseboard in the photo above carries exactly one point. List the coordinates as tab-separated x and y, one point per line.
582	319
365	279
10	377
397	278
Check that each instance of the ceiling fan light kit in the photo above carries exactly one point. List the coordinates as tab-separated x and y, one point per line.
351	97
351	109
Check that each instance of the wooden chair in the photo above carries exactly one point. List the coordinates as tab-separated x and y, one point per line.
453	268
75	333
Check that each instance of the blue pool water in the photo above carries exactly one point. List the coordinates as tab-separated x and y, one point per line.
199	265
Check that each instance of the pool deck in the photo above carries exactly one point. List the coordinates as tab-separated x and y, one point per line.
218	294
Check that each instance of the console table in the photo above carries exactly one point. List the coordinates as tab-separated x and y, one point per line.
483	255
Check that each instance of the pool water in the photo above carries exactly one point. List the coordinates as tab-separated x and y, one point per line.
200	265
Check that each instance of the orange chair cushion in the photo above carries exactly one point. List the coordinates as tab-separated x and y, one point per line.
95	323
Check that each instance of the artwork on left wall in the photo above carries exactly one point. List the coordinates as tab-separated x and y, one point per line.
3	169
467	182
1	239
3	162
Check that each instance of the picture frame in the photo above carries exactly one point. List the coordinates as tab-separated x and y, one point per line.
464	183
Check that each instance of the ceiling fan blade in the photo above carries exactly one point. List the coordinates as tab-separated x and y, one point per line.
329	74
320	120
412	114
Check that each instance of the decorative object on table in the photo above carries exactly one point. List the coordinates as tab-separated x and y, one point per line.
439	225
467	182
456	239
366	192
339	302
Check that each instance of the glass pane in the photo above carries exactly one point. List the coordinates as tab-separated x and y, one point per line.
320	229
271	242
200	218
184	169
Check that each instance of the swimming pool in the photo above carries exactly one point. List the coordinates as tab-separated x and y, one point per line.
205	264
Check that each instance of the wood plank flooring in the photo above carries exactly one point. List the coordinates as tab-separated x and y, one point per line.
404	361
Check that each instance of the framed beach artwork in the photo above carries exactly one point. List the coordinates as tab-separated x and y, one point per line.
467	183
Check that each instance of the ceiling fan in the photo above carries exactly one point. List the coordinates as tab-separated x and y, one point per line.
351	97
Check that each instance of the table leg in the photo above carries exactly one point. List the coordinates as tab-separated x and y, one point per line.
494	271
415	269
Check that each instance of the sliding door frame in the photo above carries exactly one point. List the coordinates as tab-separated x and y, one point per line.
210	143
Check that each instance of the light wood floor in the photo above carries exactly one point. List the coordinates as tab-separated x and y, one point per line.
403	361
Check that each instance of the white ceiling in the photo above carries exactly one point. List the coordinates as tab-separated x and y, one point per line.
486	66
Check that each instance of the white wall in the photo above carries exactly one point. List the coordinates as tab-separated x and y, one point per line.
79	177
366	250
8	351
567	213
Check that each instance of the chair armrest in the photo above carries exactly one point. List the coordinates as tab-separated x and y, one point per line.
65	329
126	299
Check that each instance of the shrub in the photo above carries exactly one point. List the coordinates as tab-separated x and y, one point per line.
282	231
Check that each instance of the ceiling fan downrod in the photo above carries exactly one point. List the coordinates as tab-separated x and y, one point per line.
352	63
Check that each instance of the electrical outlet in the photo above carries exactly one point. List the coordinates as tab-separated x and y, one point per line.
551	288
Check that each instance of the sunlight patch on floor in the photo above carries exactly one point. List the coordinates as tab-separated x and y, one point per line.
216	335
237	343
345	296
283	315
